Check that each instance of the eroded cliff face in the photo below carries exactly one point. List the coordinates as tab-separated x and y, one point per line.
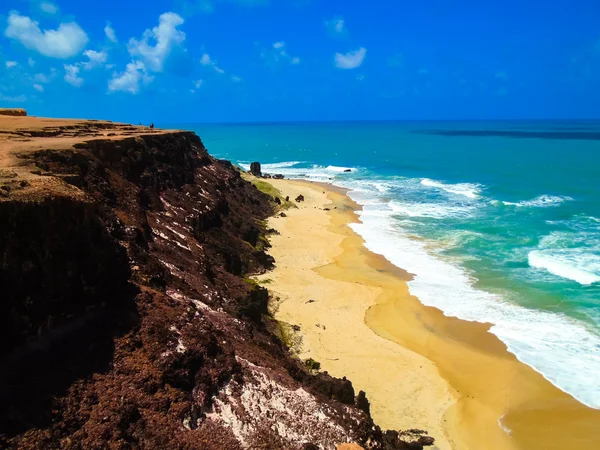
125	317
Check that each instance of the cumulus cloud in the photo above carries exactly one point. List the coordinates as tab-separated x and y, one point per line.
278	53
49	8
156	44
11	64
38	87
350	60
130	80
95	59
110	33
65	42
198	83
336	26
206	60
72	75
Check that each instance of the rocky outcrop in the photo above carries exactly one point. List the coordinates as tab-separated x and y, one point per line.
126	317
255	169
12	112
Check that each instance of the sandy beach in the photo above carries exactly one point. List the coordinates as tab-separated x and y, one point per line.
419	368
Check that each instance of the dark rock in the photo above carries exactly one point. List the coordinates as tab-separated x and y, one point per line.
426	440
300	198
287	198
282	214
362	403
277	200
255	169
278	176
348	170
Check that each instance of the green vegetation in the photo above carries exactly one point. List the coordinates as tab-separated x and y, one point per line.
312	364
263	243
252	282
289	335
267	188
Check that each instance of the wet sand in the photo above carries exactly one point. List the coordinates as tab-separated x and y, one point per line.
419	368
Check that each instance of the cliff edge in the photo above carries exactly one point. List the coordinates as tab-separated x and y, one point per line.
126	320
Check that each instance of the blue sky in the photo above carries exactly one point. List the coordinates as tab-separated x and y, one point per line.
286	60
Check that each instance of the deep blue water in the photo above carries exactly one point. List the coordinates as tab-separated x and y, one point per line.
499	221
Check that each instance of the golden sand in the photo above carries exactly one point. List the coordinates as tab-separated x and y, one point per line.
419	368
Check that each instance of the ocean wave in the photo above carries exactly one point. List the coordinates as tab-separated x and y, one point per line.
562	349
431	210
573	255
543	201
298	169
584	268
467	189
338	169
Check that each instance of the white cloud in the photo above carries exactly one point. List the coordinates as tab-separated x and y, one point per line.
129	81
166	35
31	62
95	58
350	60
72	75
41	78
65	42
279	53
110	33
336	25
49	8
38	87
206	60
360	77
198	83
11	64
13	98
236	79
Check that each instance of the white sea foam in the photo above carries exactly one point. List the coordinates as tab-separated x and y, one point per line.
562	349
467	189
431	210
543	201
573	265
316	172
574	255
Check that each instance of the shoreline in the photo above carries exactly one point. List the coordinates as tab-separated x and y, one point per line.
448	376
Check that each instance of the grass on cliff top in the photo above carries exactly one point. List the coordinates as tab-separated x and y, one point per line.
267	188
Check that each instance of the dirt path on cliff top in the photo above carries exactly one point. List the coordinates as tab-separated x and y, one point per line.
20	135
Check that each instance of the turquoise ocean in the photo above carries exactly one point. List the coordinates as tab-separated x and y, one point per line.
498	221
